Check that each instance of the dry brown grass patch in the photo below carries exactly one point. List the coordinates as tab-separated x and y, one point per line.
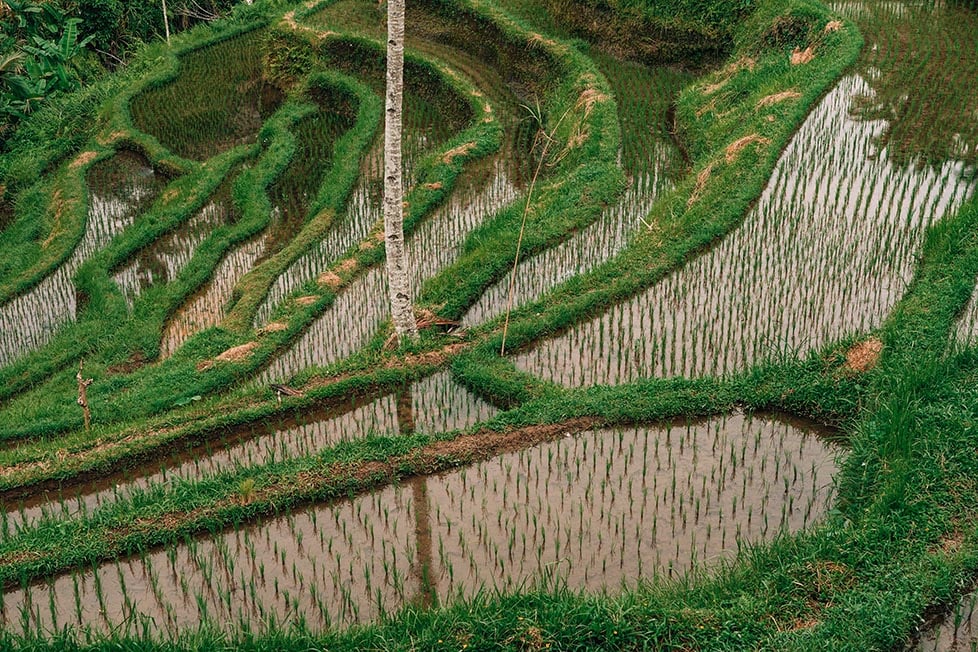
864	356
83	159
238	353
330	280
433	186
701	180
833	26
273	327
777	98
734	148
800	57
588	99
461	150
307	300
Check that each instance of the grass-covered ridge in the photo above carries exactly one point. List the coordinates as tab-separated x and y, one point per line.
899	541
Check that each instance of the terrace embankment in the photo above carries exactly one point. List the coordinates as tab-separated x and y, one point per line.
120	187
596	510
826	252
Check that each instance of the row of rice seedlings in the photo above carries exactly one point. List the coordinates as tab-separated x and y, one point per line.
299	183
429	121
361	307
348	562
362	211
597	511
828	250
217	101
205	308
651	161
957	632
437	404
161	261
120	187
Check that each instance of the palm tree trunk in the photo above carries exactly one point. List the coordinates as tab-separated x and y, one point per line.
402	311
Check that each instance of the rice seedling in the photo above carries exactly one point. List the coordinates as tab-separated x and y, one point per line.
199	114
838	210
120	188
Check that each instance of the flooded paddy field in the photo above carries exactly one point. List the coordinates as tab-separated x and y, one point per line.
119	189
957	631
199	114
597	510
432	405
828	250
359	309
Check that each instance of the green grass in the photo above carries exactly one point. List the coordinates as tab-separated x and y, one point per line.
900	540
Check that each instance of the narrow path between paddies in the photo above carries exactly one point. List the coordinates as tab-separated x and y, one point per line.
827	251
361	307
591	511
652	163
435	404
119	189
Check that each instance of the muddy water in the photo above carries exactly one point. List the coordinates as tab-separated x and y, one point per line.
200	113
360	308
957	632
828	250
651	162
120	188
162	261
437	404
596	510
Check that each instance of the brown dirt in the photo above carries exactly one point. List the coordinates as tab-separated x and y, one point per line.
330	280
83	159
136	361
701	180
800	57
734	148
777	98
833	26
273	327
307	300
455	152
863	356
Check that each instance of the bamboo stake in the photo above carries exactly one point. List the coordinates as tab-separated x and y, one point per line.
83	384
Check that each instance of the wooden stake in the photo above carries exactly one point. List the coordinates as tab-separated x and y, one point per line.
83	384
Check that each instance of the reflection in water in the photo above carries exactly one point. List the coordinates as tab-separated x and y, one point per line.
596	511
828	250
363	305
958	632
120	188
162	261
436	404
589	248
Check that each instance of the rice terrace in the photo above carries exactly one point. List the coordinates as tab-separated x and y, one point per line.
618	325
